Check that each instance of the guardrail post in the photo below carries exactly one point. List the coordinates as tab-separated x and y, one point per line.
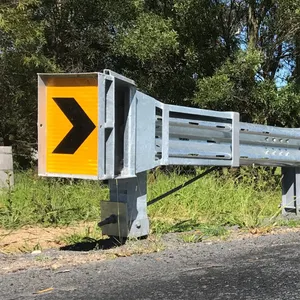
127	208
290	190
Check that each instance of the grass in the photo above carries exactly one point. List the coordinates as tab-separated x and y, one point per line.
209	205
89	235
49	201
213	201
192	237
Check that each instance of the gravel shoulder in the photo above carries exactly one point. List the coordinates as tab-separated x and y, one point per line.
89	252
245	266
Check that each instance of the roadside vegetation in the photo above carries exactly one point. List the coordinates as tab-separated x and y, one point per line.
49	201
218	201
246	200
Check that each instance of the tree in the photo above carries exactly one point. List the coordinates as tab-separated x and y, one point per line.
218	54
49	36
249	82
79	34
172	40
21	57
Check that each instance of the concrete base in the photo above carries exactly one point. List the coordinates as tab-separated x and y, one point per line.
6	167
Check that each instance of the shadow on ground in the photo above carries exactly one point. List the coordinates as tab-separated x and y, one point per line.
91	244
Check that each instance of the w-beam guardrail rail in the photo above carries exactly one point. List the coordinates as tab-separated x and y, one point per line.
99	126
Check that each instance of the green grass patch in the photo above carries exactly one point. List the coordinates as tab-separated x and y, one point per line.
246	202
192	229
50	201
192	237
208	205
293	223
168	225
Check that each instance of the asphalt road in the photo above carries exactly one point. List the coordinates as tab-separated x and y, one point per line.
259	268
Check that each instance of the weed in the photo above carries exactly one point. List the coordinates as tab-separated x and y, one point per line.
192	237
212	201
89	235
152	244
26	248
289	223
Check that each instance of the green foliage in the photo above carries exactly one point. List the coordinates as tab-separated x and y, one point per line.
23	37
237	86
80	34
192	238
151	38
247	201
287	106
262	179
190	225
21	57
215	92
233	87
168	43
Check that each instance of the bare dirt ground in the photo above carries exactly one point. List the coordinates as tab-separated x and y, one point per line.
48	247
37	247
29	238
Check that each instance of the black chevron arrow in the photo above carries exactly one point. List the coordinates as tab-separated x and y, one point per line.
82	126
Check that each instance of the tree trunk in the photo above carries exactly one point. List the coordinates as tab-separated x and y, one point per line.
297	59
252	24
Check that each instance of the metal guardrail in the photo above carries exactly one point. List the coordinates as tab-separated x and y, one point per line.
137	133
269	146
199	141
161	134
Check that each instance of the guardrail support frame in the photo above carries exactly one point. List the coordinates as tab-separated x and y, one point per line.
290	190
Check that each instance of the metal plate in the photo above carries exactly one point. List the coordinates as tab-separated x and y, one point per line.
119	209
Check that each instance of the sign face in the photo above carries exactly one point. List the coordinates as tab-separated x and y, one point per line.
82	126
71	126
